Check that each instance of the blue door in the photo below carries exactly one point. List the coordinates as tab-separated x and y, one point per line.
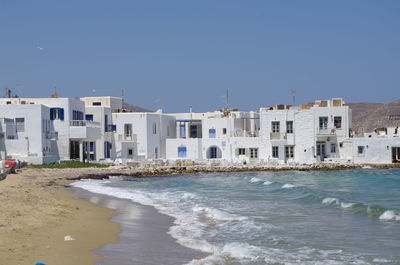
213	152
182	151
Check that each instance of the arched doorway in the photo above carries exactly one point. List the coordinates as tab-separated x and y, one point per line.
214	152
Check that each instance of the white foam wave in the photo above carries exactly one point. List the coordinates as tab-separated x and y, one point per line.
255	180
267	182
330	201
390	215
288	186
366	167
346	205
188	195
217	214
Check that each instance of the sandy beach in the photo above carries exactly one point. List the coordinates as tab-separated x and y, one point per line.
37	212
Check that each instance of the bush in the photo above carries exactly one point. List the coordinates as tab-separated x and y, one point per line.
68	164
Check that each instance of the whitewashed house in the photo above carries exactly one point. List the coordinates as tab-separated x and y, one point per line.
306	134
226	134
382	146
67	116
99	110
27	134
142	135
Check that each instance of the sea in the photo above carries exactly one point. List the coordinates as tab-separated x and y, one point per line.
285	217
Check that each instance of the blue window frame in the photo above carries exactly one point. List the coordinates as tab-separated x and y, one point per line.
211	133
91	146
96	104
182	151
89	117
57	114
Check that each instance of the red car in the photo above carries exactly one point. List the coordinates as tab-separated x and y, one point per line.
10	163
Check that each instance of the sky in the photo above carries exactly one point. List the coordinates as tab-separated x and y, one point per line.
173	54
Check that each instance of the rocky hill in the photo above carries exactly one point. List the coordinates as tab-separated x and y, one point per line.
134	108
367	116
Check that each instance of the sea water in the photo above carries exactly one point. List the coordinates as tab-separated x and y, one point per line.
287	217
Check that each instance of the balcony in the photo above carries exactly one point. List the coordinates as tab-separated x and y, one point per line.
127	138
278	136
326	132
80	129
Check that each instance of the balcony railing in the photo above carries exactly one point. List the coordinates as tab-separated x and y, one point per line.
326	131
82	123
127	137
278	136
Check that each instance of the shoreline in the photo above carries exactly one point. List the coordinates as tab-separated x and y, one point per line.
38	209
144	237
37	212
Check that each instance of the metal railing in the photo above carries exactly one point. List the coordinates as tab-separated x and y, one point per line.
82	123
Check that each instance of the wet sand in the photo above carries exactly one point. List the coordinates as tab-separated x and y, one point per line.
144	239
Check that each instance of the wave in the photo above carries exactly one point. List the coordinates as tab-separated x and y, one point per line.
390	215
267	182
288	186
255	180
216	214
330	201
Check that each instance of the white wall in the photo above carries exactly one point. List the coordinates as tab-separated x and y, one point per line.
376	150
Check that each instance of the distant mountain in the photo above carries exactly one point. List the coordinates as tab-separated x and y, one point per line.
368	116
133	108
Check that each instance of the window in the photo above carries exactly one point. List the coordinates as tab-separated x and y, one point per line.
156	152
323	123
241	151
289	151
182	131
223	131
289	127
89	117
275	126
360	150
168	130
91	146
77	115
253	152
154	128
193	131
57	114
96	103
333	148
275	151
211	133
182	151
337	122
20	124
130	152
127	130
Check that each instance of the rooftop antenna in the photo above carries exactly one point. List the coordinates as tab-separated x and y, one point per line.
123	100
293	92
227	99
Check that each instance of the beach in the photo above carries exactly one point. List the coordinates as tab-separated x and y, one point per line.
37	212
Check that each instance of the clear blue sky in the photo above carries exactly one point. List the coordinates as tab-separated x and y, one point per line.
179	53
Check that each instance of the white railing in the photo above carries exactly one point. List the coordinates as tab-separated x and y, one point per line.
326	131
278	136
127	137
82	123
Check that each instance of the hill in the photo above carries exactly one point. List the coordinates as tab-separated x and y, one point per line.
368	116
134	108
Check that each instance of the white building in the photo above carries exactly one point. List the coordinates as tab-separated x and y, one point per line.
27	134
67	116
142	135
306	134
226	134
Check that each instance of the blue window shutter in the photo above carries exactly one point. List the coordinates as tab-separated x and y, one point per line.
211	133
61	114
52	114
182	151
